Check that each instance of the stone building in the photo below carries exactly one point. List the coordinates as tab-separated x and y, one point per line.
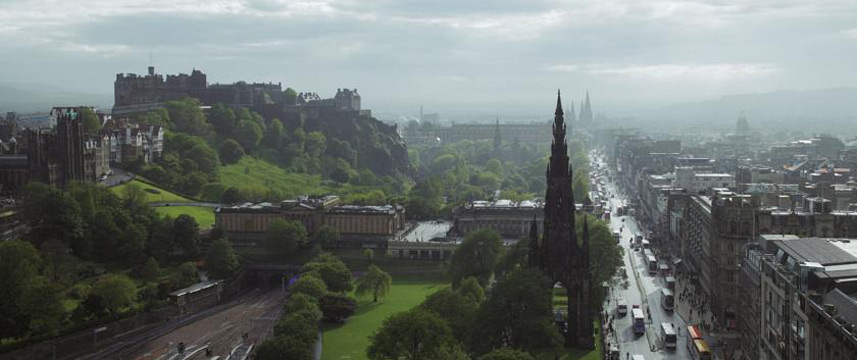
129	142
809	299
247	223
511	219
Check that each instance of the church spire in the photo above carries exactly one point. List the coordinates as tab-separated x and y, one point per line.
498	141
586	111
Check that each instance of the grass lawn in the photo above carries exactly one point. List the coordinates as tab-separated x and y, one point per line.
257	176
349	340
204	215
153	194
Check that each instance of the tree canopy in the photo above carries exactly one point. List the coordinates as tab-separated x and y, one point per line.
476	256
375	282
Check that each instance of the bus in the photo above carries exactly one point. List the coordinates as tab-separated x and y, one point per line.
646	244
693	334
653	264
638	239
621	307
620	211
701	351
606	215
668	336
667	299
639	323
618	236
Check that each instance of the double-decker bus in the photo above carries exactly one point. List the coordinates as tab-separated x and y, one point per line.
639	323
701	351
652	262
693	334
668	336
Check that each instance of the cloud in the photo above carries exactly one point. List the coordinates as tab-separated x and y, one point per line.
671	72
852	33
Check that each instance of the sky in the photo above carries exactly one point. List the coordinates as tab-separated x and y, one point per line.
450	56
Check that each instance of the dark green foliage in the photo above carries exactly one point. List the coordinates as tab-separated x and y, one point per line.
248	134
115	292
470	289
309	285
231	151
457	310
151	270
476	256
517	313
326	236
221	260
222	119
19	269
336	307
302	325
186	234
91	123
285	237
331	270
187	117
412	335
284	347
299	301
507	354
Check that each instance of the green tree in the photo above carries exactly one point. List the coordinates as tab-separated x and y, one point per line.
375	282
494	166
231	151
517	314
221	260
471	290
203	157
186	234
284	347
476	256
248	135
284	237
117	292
337	307
507	354
91	123
19	267
327	236
300	301
188	274
316	143
457	310
412	335
514	257
187	116
151	270
332	271
275	133
43	305
369	254
223	119
290	96
302	324
605	256
309	285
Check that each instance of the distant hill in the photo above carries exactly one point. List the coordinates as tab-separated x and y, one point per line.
28	98
827	109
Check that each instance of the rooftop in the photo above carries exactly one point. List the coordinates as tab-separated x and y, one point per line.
816	250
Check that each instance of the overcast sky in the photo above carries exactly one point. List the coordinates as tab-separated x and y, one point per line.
449	55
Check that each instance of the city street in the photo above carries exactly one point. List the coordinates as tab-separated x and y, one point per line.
643	290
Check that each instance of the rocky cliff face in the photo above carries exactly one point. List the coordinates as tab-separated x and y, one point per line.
379	147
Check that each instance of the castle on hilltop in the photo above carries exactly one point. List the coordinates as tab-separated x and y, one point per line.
134	94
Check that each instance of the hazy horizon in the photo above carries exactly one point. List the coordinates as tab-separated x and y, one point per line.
450	57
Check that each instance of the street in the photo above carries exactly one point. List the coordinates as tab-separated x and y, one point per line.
644	290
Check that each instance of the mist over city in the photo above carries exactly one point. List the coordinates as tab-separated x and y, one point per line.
428	180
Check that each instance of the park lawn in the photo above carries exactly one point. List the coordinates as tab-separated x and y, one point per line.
256	177
349	341
204	215
153	194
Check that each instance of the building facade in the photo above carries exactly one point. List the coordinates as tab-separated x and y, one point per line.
247	223
511	219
